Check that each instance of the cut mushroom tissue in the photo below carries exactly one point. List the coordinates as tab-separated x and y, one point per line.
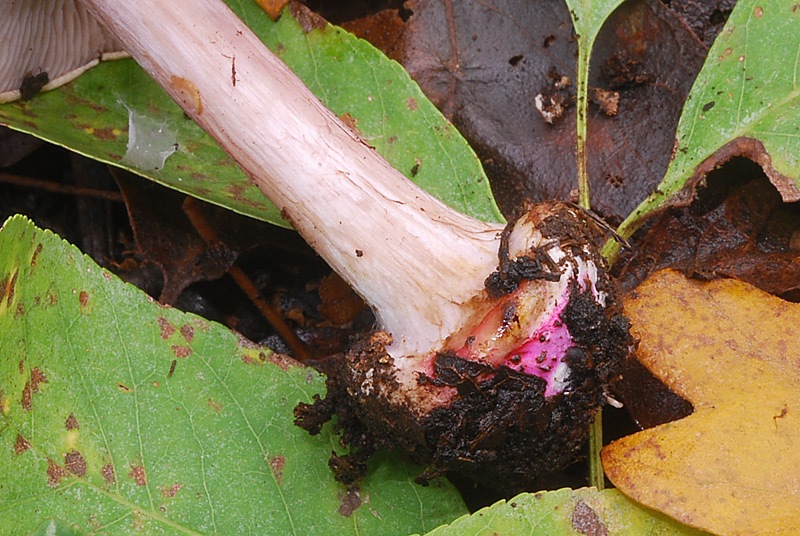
495	343
511	394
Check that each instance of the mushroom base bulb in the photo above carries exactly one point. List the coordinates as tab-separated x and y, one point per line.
511	395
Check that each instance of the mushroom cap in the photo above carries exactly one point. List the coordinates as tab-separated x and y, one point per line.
47	43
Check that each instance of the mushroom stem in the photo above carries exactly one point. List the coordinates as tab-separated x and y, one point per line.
413	259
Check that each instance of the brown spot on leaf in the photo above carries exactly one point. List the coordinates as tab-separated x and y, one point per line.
586	521
106	134
350	502
283	361
172	490
83	297
75	463
21	366
187	332
10	288
411	104
308	19
55	473
181	351
21	445
27	397
72	422
109	475
138	475
276	464
215	406
124	388
19	311
35	257
167	329
32	387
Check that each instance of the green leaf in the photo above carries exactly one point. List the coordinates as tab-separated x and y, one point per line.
588	17
747	89
55	527
118	415
565	512
95	115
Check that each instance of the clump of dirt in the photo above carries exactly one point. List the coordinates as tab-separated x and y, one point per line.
491	421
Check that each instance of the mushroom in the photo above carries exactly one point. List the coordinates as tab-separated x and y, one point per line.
47	44
495	343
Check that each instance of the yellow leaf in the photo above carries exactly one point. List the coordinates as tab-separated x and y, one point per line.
733	351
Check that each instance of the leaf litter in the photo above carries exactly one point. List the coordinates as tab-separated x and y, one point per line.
486	70
731	467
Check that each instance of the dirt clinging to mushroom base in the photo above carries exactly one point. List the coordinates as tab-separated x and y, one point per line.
478	415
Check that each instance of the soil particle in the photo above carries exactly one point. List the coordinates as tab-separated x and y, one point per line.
350	502
75	463
32	84
72	422
21	445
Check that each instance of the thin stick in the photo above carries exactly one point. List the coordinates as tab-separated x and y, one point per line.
297	347
66	189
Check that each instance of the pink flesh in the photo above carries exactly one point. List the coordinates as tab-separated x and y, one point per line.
539	355
542	354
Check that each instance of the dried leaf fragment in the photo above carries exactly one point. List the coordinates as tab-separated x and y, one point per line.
730	349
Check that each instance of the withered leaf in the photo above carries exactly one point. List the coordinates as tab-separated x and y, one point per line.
737	227
731	350
485	63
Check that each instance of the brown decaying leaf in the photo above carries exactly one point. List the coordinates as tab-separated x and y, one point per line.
733	466
484	64
166	237
738	227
